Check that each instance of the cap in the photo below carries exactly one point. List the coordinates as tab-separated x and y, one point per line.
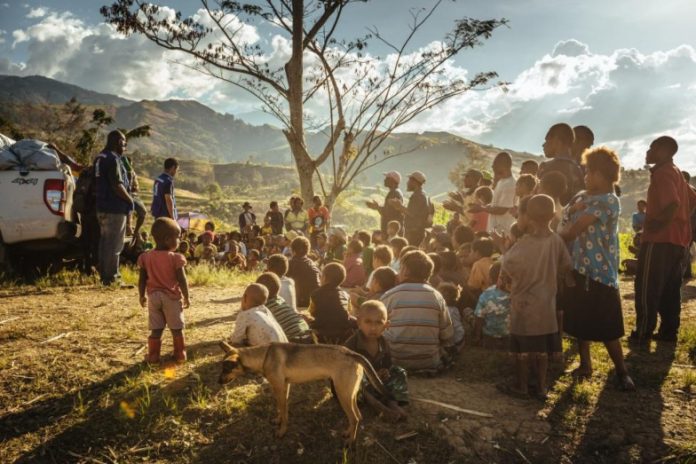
418	176
393	175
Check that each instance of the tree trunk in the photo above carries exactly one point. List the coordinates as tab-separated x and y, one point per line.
294	70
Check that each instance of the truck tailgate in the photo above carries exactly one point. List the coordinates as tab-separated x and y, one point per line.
24	213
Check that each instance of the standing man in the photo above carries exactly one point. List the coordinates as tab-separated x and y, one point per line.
584	139
114	204
558	147
163	199
247	220
390	211
664	244
419	212
500	210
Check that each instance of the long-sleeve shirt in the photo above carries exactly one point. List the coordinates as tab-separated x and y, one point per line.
256	326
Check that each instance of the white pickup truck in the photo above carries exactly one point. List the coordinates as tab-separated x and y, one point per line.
37	224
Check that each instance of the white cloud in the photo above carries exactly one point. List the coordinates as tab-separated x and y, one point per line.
626	97
39	12
2	36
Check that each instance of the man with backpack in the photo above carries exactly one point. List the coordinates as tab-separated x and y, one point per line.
114	204
558	147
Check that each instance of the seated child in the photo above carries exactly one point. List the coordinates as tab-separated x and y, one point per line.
383	279
481	252
329	307
479	220
393	229
435	279
336	248
278	264
532	269
450	293
369	342
294	326
397	244
163	276
184	249
253	262
377	238
449	270
206	251
233	258
493	314
355	272
321	246
255	325
303	271
367	252
266	229
462	235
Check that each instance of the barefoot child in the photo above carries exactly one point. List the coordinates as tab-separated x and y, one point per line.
369	342
593	305
532	268
163	276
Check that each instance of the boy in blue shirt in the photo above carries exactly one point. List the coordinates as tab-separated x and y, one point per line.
491	327
163	200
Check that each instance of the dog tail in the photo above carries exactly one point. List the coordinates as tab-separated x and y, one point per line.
371	374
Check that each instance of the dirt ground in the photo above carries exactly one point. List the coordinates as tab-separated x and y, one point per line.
72	389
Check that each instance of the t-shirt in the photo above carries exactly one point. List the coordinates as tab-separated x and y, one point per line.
296	220
161	267
305	274
287	292
257	326
318	218
637	221
503	196
355	272
420	325
164	185
534	265
277	222
290	320
595	252
667	185
479	278
494	308
570	169
388	212
457	326
479	221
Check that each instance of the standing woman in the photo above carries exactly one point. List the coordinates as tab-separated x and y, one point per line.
591	227
296	218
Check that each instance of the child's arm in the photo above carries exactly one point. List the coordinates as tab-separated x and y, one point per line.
183	284
239	333
142	284
570	233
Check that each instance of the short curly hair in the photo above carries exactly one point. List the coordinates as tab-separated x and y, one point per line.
604	161
163	229
417	265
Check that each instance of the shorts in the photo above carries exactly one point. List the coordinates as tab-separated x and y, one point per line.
593	311
548	343
164	311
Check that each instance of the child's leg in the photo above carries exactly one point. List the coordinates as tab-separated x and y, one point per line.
542	365
179	345
616	354
522	367
585	368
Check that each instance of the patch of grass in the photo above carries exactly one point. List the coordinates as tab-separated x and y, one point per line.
687	343
583	392
205	275
65	278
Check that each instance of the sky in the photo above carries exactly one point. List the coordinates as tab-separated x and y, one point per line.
625	68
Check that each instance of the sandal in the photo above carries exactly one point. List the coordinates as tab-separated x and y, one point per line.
512	391
626	383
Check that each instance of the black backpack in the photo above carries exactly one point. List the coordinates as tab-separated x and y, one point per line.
84	196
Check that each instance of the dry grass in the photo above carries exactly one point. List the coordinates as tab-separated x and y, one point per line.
85	397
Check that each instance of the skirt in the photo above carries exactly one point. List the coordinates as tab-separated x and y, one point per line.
592	310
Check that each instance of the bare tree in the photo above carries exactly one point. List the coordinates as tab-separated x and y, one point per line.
366	98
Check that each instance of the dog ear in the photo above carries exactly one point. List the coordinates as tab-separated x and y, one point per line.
227	348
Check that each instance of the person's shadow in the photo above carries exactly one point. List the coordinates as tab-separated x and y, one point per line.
627	426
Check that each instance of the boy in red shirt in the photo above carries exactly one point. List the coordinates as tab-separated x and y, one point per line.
163	276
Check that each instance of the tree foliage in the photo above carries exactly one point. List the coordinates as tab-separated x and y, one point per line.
366	97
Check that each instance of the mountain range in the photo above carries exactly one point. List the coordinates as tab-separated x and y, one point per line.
188	129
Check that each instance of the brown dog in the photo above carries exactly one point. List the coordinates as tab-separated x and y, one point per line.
285	363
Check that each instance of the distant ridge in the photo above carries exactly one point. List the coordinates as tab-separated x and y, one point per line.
43	90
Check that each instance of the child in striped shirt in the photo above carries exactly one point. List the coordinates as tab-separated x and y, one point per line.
294	326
